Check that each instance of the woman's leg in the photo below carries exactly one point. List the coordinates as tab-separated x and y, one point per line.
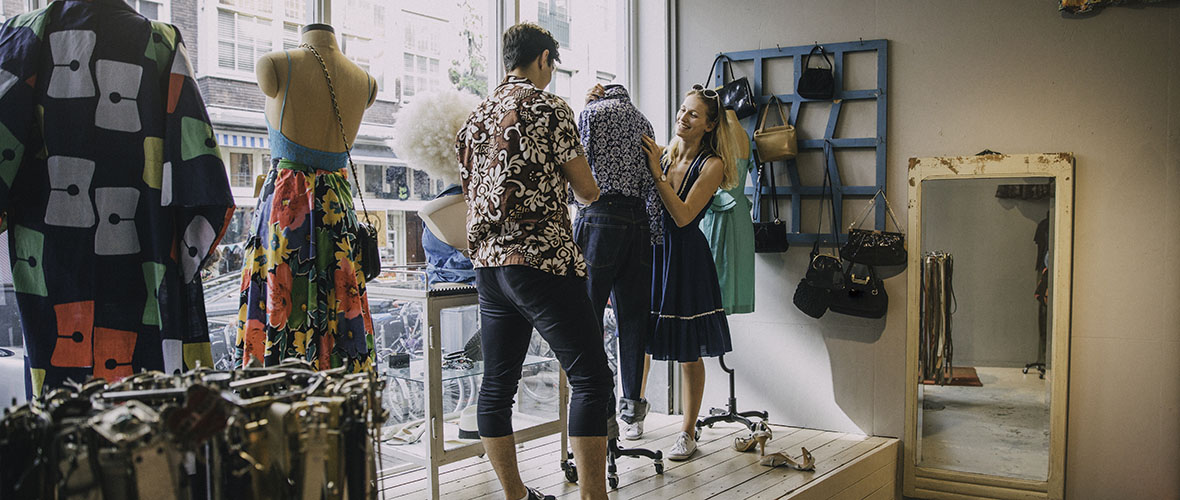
693	375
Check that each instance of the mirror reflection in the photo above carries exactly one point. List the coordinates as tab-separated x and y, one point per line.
984	329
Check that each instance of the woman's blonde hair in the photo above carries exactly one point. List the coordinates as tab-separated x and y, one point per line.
719	141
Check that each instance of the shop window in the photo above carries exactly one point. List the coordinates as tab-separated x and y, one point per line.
155	10
241	170
241	39
375	180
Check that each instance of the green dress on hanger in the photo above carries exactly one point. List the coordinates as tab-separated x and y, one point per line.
730	230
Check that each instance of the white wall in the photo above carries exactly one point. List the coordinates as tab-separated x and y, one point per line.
1017	77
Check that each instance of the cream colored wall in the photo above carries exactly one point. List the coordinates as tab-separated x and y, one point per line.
1017	77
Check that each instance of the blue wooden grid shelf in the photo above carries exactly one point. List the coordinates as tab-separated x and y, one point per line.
796	191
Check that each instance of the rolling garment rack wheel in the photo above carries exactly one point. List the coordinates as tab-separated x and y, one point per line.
571	470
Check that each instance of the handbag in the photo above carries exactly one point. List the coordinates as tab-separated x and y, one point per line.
825	273
769	237
775	143
875	248
863	294
735	94
816	83
366	234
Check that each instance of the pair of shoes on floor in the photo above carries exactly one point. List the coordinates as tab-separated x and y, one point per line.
758	436
806	463
535	494
684	448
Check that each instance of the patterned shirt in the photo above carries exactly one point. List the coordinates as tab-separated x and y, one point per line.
510	153
612	130
113	192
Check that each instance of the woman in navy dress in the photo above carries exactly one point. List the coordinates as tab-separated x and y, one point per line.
687	313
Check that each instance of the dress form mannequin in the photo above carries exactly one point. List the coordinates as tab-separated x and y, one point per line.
308	101
303	293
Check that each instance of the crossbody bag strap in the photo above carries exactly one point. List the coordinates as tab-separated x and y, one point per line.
340	121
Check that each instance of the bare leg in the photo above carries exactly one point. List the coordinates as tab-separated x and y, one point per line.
502	453
590	455
646	369
694	390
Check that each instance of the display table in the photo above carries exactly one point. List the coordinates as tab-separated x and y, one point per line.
446	391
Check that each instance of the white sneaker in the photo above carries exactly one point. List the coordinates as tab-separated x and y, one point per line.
684	448
633	431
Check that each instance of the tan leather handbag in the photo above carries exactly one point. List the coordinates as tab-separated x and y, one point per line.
775	143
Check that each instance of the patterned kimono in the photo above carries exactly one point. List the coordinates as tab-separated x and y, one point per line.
100	119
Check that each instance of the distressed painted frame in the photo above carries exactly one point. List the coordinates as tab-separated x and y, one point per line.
923	482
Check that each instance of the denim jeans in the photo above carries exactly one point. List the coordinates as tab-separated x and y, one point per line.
512	301
616	241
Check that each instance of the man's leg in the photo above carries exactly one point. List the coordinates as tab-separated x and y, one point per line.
560	310
504	336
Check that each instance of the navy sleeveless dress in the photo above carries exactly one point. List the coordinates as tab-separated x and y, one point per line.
687	313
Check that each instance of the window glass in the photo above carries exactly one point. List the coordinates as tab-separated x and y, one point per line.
591	38
241	170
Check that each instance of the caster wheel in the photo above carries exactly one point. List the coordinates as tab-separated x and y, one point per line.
571	473
697	436
659	467
613	481
1025	370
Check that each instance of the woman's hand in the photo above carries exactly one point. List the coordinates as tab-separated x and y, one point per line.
654	153
596	92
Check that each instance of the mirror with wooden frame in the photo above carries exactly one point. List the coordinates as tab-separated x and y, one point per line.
987	349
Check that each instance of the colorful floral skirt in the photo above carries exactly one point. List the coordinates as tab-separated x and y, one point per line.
303	291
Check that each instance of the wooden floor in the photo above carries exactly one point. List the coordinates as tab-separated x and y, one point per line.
847	466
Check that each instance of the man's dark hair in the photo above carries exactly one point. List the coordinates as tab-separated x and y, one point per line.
524	42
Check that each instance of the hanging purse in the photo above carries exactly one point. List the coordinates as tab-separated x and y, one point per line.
825	273
735	94
366	235
863	294
875	248
769	237
775	143
816	83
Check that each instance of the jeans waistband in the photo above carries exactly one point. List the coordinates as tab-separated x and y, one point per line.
619	200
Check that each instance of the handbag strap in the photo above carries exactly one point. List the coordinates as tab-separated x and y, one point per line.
828	189
822	52
709	80
765	109
340	122
767	170
860	219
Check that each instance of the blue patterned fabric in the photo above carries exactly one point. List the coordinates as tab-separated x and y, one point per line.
611	129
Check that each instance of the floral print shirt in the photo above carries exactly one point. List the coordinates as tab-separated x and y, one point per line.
510	153
611	130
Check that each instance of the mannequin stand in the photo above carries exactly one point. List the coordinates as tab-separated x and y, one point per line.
730	414
613	452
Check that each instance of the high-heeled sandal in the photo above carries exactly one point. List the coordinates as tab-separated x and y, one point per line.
779	459
760	435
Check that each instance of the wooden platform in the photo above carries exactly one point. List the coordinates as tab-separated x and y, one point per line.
848	466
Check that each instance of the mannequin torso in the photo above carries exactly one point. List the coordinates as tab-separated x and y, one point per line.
308	119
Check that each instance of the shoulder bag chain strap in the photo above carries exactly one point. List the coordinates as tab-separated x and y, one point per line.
340	121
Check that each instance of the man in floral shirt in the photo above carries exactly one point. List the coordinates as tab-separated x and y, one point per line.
519	155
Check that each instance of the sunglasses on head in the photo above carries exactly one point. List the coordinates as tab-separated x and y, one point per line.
708	93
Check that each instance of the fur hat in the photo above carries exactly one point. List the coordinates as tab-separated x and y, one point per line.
426	128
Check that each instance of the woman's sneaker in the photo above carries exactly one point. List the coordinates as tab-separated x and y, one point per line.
684	448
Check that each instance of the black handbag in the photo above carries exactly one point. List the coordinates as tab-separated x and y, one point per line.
825	273
735	94
769	237
863	294
366	234
816	83
875	248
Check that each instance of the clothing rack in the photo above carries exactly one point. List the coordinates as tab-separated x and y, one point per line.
816	140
